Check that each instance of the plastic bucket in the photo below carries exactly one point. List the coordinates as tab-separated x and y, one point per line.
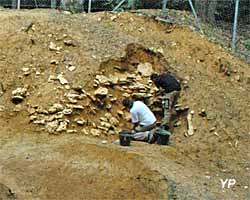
163	137
125	138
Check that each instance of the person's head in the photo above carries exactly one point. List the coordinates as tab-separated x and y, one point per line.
154	77
127	103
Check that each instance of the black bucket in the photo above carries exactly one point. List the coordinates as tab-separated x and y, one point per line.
125	138
163	137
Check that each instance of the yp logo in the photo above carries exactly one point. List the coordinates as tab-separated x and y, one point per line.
227	183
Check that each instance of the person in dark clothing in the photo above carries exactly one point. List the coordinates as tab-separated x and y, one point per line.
172	88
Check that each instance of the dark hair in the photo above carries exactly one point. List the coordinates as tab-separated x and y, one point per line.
154	77
127	102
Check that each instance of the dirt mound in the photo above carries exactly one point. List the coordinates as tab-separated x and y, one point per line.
71	72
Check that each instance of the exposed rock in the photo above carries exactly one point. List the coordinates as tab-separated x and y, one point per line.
103	80
20	92
1	108
85	131
62	80
17	108
113	121
71	68
203	113
59	115
108	115
54	62
69	43
95	132
33	118
53	47
67	111
104	142
145	69
71	131
106	125
81	122
39	122
52	126
55	108
62	126
78	107
120	113
104	119
101	92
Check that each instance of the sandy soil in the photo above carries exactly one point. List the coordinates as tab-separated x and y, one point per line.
38	165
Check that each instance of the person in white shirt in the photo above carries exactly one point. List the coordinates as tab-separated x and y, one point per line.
142	117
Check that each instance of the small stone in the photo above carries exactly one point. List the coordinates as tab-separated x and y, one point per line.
55	108
52	126
78	107
113	121
17	108
71	131
237	78
145	69
61	79
120	113
101	92
33	118
95	132
212	129
71	68
106	125
54	62
104	119
2	108
53	47
112	18
69	43
108	115
104	142
39	122
85	132
62	126
67	111
81	122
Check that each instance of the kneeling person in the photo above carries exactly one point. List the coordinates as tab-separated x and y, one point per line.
142	117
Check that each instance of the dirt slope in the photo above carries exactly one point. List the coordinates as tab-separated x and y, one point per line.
34	163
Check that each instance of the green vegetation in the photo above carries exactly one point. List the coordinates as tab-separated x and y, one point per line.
247	44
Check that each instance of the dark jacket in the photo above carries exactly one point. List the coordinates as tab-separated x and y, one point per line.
168	82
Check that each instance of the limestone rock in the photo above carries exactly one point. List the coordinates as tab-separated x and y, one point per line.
95	132
67	111
71	131
55	108
62	80
103	80
145	69
52	126
53	47
62	126
101	92
113	121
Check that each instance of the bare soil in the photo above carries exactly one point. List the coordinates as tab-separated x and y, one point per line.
39	165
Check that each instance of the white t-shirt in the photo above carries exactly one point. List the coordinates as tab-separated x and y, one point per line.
142	114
